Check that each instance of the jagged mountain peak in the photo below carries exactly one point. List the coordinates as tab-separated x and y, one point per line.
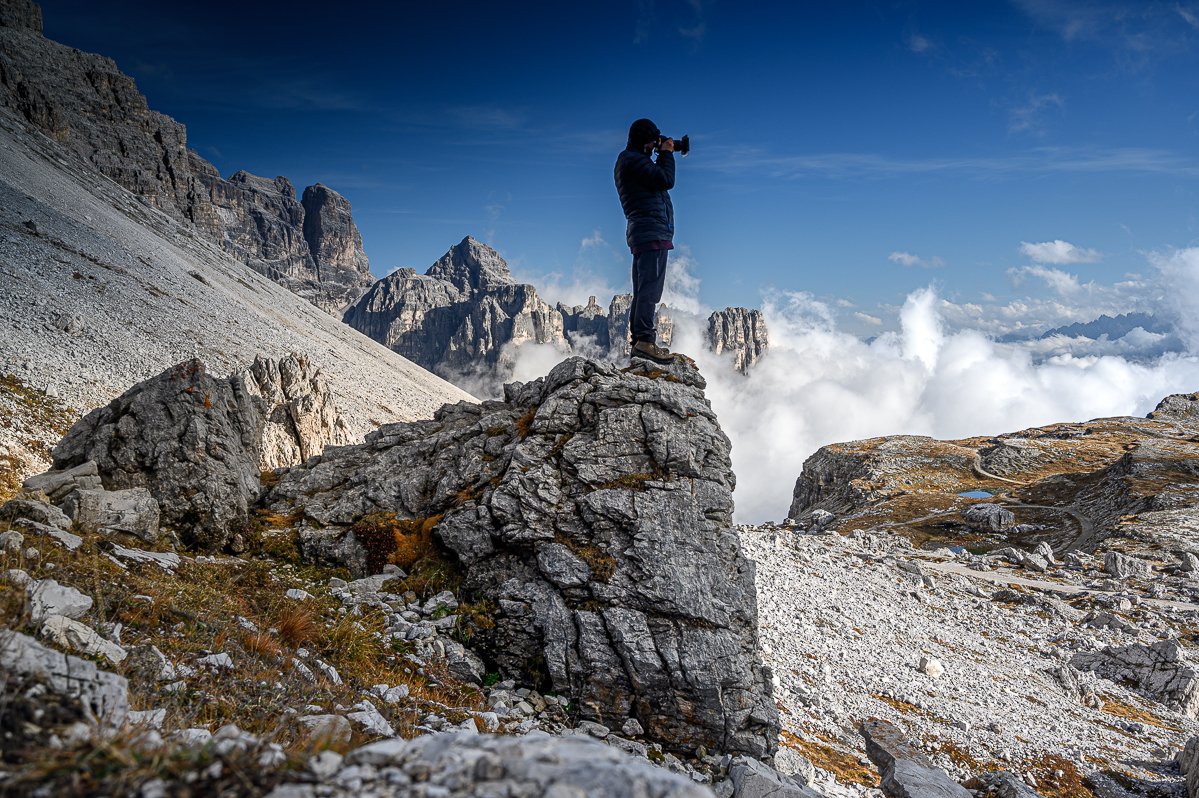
21	14
470	265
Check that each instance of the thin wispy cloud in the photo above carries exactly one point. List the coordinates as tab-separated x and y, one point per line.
1041	160
866	318
1030	116
488	117
1059	253
915	261
1137	32
919	44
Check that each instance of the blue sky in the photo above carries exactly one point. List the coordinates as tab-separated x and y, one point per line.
853	150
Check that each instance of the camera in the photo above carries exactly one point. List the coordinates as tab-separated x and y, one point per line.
681	146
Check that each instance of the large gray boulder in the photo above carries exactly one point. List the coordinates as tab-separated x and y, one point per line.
591	512
476	766
104	695
905	770
1163	670
198	443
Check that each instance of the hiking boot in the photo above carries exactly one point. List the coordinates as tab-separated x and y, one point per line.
651	351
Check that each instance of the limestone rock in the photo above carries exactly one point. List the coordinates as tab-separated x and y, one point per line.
1188	763
132	511
1180	408
62	483
189	438
47	597
300	417
67	540
906	771
197	443
592	510
741	331
990	517
1122	566
459	316
82	638
1163	670
21	14
37	511
754	779
474	766
104	694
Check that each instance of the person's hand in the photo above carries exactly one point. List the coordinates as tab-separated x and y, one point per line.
667	145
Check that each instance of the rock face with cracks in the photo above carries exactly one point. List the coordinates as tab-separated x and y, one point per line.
198	443
591	511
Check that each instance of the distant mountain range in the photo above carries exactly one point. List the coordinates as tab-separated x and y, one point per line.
1113	327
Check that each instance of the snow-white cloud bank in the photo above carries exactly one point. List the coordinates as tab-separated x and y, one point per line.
931	376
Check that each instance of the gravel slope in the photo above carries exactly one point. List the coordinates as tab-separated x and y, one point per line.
100	291
845	621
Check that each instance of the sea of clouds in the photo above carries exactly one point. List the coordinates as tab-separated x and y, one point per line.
940	372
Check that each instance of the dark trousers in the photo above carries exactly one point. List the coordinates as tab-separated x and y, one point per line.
649	278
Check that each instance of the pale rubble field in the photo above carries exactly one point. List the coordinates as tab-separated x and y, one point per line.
101	291
845	622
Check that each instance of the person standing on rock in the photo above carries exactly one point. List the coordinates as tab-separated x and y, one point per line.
644	184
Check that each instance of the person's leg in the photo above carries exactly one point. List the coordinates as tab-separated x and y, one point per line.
649	280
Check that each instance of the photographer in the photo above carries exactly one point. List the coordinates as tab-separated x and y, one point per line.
644	185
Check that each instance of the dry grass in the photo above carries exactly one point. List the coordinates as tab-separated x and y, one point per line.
396	541
601	563
1069	785
1121	709
846	766
524	424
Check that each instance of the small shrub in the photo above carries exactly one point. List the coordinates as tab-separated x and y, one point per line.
524	424
398	541
474	618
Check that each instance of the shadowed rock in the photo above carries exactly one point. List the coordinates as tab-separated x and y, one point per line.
591	510
198	443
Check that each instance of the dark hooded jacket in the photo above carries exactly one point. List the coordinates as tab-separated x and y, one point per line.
644	186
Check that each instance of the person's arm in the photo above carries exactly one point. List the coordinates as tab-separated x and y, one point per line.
655	176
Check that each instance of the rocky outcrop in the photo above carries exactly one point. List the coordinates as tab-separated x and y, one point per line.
198	443
102	697
590	514
906	771
1163	670
300	416
312	247
459	316
740	331
1073	486
473	766
85	103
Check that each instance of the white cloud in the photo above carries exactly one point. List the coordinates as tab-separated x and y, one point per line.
866	318
596	239
908	259
1059	252
1060	281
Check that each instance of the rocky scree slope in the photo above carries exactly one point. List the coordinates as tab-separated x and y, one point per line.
465	315
590	512
93	110
102	290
